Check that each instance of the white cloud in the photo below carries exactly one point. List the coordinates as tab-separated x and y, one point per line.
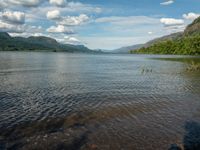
74	20
26	34
127	21
39	34
14	22
150	32
171	21
70	40
13	17
26	3
53	15
80	7
6	27
68	20
167	2
173	29
40	13
191	16
28	30
172	25
73	39
59	3
60	29
33	29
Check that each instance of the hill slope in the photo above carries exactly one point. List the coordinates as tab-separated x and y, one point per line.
172	36
193	28
125	50
41	43
186	43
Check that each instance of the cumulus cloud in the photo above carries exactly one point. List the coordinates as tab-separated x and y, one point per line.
26	3
29	30
13	17
74	20
34	29
6	27
68	20
59	3
171	21
191	16
167	2
12	22
53	15
60	29
19	29
26	34
71	40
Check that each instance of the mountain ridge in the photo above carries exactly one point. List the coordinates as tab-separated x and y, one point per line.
126	49
38	43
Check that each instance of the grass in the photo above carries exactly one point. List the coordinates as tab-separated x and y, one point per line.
145	70
193	67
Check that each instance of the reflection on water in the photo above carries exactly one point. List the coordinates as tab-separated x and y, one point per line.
78	101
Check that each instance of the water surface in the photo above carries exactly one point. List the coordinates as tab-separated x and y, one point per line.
79	101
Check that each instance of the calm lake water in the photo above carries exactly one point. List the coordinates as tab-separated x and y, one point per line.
111	102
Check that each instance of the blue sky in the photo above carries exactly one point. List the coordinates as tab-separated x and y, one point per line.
98	24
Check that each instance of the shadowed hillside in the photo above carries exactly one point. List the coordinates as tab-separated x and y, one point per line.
40	43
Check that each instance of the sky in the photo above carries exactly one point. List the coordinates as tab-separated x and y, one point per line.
97	24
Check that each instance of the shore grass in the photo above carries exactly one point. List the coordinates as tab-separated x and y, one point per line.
193	67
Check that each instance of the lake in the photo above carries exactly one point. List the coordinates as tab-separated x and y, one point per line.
107	102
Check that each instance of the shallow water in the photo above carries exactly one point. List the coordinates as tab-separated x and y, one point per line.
79	101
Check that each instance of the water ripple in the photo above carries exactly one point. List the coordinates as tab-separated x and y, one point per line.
104	99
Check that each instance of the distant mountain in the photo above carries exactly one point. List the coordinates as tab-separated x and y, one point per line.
182	43
125	50
39	43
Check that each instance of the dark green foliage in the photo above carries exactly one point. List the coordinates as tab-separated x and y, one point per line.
187	44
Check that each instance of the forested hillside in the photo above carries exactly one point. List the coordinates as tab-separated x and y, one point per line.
186	43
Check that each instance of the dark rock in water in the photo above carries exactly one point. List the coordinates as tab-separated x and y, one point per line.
192	137
174	147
